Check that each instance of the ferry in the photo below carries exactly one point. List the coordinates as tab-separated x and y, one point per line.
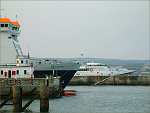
14	64
99	69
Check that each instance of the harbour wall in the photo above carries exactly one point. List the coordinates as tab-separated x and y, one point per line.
110	80
27	85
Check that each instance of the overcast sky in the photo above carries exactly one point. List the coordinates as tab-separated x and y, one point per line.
104	29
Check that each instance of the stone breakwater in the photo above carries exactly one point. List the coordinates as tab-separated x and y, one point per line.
110	80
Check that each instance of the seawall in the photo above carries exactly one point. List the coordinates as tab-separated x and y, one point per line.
110	80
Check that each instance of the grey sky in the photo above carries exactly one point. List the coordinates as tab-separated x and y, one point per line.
105	29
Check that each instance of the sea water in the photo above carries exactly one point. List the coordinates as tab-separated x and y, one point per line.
100	99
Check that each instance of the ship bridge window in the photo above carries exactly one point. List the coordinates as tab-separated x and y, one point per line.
21	61
2	25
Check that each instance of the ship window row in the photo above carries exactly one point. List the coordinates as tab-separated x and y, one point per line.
17	72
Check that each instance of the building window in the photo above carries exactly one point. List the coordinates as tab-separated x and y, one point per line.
9	73
5	74
2	25
17	61
17	72
21	61
26	61
13	72
1	72
6	25
25	71
13	28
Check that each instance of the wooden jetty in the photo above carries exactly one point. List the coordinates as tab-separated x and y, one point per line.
14	89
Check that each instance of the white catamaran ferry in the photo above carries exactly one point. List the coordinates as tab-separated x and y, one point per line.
99	69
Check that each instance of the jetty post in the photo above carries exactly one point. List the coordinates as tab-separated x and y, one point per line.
16	89
17	98
44	95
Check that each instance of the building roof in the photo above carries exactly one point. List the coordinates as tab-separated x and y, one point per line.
16	23
7	20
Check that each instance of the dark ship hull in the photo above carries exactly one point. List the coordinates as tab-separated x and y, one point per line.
66	75
65	69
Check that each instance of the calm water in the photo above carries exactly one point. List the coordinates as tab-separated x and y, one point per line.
101	99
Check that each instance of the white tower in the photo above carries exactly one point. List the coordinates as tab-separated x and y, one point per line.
9	45
13	64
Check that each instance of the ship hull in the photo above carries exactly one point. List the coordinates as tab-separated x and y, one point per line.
66	75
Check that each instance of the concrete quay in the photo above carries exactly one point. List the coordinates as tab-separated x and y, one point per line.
13	90
111	80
